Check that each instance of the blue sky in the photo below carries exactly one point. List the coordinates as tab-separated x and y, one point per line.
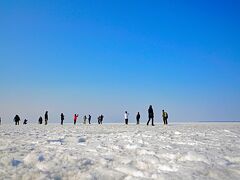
111	56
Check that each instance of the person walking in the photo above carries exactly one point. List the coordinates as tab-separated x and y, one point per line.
165	117
40	120
62	118
138	118
46	117
75	118
16	119
89	118
126	117
150	115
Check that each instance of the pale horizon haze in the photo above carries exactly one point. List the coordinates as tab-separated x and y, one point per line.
108	57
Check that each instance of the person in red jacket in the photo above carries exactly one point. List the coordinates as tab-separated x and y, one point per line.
75	118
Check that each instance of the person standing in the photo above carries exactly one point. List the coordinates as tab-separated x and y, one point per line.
126	117
85	119
138	118
165	117
62	118
16	119
89	118
75	118
150	115
101	117
0	121
40	120
25	121
46	117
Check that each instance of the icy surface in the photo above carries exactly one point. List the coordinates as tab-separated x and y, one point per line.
178	151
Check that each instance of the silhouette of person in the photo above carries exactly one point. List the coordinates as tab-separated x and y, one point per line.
46	117
84	119
25	121
89	118
101	117
0	121
165	117
62	118
150	115
138	118
75	118
40	120
16	119
126	117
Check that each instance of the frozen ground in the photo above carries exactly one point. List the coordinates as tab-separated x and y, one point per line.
178	151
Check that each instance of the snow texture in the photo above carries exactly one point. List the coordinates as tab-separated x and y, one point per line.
177	151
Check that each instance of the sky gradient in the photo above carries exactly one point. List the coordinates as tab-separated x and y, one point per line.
110	56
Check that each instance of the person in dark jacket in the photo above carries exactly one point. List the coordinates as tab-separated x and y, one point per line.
99	119
40	120
89	118
25	121
62	118
16	119
138	118
150	115
102	119
46	117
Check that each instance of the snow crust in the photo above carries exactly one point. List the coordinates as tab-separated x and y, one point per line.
177	151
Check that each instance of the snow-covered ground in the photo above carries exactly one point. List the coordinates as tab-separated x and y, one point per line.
177	151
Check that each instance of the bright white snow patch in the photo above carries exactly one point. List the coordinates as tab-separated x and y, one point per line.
183	151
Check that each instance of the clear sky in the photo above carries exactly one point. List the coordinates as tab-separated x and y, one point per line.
96	57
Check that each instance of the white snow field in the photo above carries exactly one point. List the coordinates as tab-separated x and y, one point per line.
177	151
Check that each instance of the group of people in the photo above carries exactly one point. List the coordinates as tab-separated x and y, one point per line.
17	120
40	120
75	117
85	119
150	116
100	118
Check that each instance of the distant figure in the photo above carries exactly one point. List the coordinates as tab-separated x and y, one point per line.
40	120
101	117
75	118
126	117
138	118
89	118
165	117
16	119
25	121
0	121
62	118
85	119
46	117
150	115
